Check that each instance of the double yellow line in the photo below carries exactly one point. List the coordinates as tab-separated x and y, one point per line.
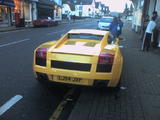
61	106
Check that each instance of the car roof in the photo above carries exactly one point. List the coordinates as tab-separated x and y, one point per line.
108	17
89	31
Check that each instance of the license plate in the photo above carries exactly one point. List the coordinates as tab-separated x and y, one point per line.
69	79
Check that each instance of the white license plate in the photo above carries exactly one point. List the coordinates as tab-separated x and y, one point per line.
69	79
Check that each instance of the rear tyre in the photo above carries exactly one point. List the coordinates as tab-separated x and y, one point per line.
117	88
42	78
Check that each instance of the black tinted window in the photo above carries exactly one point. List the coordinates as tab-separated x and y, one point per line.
85	36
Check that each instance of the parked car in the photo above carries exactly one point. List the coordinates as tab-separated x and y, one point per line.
81	57
104	23
45	22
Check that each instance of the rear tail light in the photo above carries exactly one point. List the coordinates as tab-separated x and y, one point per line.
41	53
105	62
105	58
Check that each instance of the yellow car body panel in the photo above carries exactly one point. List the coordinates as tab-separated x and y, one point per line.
79	52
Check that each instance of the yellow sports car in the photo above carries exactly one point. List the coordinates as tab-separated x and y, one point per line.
81	57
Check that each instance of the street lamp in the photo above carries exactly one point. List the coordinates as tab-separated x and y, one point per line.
80	9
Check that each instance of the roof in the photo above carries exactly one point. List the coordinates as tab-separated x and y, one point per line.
89	31
108	17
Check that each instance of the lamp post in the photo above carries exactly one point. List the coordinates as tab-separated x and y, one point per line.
80	9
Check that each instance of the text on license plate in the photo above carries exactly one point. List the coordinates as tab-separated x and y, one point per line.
69	79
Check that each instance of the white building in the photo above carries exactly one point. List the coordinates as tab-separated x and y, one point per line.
66	9
85	9
142	8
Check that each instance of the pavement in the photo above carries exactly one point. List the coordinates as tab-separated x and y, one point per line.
139	96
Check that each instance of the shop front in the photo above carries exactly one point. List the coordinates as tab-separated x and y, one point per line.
45	9
6	9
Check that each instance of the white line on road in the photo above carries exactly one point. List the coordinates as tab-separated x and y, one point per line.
12	43
55	32
13	31
10	103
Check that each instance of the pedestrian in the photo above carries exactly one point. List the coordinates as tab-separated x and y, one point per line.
113	28
156	30
148	34
74	18
69	18
120	25
145	23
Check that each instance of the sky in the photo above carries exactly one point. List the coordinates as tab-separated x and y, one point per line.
115	5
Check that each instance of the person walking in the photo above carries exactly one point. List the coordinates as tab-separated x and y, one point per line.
113	28
120	25
145	23
148	34
74	18
69	18
156	30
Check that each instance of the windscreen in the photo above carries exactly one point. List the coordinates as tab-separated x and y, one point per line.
85	36
109	20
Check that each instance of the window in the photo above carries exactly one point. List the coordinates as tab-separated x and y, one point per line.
85	36
106	20
4	14
80	7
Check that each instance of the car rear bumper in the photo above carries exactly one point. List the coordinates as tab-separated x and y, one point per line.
74	77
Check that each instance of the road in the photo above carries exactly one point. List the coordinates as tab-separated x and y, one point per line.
16	76
138	98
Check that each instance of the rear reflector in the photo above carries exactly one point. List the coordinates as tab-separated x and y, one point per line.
41	55
105	58
105	62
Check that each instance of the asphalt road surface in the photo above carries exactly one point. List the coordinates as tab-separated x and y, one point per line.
26	99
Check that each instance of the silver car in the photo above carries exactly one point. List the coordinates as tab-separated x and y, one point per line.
104	23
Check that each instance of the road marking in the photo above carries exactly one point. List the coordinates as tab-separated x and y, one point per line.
13	31
12	43
55	32
9	104
61	106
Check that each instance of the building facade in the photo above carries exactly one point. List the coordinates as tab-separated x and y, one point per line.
6	10
58	10
143	8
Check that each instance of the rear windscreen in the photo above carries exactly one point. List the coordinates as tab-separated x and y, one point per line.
85	36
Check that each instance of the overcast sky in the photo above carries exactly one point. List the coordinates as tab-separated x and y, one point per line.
115	5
